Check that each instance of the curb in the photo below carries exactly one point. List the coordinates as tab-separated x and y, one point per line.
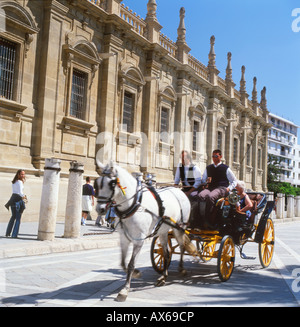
36	247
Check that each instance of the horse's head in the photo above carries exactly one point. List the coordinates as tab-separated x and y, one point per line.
105	186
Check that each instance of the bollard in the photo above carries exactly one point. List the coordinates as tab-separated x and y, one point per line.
297	206
280	205
290	206
49	200
74	201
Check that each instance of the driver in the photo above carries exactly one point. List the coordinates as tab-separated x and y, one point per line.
221	181
188	173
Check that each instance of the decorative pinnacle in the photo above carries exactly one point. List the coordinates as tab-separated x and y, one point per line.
151	9
254	92
181	31
243	81
263	102
229	68
212	55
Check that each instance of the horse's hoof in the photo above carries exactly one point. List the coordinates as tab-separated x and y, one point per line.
136	274
160	282
122	296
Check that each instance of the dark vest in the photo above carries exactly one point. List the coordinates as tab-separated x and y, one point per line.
218	176
190	177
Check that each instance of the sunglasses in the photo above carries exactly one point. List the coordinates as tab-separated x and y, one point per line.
215	156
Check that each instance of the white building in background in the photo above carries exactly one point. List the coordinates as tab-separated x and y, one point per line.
283	143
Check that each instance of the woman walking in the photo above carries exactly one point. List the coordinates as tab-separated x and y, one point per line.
17	204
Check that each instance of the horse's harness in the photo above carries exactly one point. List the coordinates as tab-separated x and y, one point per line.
137	197
137	200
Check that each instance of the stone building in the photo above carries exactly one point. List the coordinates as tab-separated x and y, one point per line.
87	78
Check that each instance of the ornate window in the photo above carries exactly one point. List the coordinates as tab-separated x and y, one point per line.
197	115
235	150
128	112
81	62
7	68
131	82
166	104
196	130
16	37
78	94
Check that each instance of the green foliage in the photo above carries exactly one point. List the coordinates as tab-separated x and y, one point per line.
274	185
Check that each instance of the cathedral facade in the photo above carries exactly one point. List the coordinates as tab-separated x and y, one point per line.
82	79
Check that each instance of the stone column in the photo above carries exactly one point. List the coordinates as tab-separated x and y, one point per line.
74	201
297	206
280	205
49	200
290	206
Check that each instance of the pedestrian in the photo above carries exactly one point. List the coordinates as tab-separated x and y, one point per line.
16	203
88	194
111	217
188	173
221	180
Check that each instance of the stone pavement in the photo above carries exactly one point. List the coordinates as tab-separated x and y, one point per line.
92	237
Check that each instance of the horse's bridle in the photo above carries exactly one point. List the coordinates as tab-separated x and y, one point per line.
109	200
112	185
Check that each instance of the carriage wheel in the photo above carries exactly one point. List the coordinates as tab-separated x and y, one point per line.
266	247
226	257
157	255
208	250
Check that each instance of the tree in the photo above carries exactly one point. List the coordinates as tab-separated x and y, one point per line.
274	184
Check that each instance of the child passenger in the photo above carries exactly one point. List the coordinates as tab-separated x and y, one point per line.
245	203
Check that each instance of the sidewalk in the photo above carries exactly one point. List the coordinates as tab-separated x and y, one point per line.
92	237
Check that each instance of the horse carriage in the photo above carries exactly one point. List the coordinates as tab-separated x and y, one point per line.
233	230
145	211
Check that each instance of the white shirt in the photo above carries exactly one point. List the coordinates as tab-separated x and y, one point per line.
229	174
196	173
18	187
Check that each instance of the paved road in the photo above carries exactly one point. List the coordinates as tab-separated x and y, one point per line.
93	278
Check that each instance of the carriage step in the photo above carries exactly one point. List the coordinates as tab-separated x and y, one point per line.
244	256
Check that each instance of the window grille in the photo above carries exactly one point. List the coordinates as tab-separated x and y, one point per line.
220	143
235	149
164	125
77	107
195	131
128	112
7	68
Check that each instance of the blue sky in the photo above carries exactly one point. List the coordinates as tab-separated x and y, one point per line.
258	33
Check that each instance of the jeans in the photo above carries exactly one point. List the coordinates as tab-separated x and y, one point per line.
14	221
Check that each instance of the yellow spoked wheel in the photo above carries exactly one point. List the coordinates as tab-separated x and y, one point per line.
157	255
266	247
208	250
226	257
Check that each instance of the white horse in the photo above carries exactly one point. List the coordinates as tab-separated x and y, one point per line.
138	213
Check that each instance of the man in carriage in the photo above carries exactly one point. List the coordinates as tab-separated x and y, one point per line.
188	173
220	181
